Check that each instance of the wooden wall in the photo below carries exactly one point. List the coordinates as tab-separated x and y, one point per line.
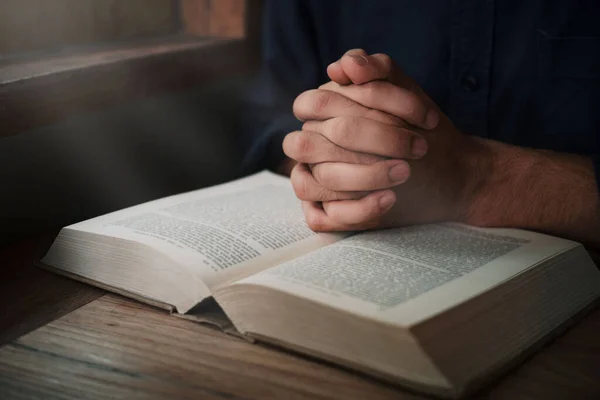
29	25
105	135
223	18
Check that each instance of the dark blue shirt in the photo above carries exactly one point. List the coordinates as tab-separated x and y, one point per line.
518	71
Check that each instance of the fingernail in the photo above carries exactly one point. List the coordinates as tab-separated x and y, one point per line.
360	60
418	147
432	119
399	172
386	200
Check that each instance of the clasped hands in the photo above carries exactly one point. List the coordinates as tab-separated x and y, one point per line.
376	152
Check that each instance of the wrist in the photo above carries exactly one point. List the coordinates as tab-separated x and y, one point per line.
506	177
485	166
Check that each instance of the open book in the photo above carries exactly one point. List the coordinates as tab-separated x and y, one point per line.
438	308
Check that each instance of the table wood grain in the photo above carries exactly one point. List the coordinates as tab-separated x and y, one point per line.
116	348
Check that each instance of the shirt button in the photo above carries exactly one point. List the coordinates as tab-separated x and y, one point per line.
469	83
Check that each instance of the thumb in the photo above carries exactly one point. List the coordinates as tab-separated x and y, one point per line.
362	68
336	71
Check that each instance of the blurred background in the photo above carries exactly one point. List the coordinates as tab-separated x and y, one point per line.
108	103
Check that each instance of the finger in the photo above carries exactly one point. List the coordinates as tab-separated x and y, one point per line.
341	177
307	188
313	148
377	66
336	73
364	68
389	98
324	104
367	136
366	210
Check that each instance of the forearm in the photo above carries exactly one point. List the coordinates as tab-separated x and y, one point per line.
544	191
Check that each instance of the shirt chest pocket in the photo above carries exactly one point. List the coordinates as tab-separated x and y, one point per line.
568	92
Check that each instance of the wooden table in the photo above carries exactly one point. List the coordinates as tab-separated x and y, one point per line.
84	343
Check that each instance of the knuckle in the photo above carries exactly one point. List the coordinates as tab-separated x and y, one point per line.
340	132
322	194
303	144
317	173
314	222
413	107
375	93
297	144
335	196
334	153
320	101
323	176
370	92
289	144
299	105
300	184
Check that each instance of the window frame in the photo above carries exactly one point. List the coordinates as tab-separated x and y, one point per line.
216	42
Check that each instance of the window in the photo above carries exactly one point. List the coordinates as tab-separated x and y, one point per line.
35	25
62	57
30	25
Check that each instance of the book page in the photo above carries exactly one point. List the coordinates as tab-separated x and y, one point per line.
402	275
222	232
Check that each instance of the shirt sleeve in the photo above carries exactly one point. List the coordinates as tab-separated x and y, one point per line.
289	66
